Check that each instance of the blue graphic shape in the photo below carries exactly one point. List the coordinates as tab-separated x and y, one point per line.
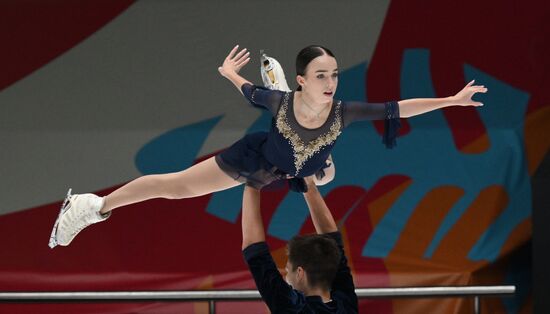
432	160
174	150
350	87
506	132
227	204
263	123
289	217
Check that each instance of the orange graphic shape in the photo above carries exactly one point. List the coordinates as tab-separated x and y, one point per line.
455	246
477	146
422	226
379	207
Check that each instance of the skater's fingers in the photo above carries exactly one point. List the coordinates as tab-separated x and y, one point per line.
232	52
242	58
477	89
243	63
240	54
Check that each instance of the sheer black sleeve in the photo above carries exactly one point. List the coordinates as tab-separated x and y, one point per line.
262	97
389	112
342	285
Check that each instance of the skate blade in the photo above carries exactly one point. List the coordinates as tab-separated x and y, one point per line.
53	235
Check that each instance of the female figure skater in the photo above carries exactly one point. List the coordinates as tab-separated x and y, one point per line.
305	126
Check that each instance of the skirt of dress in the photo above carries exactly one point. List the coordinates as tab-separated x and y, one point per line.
245	162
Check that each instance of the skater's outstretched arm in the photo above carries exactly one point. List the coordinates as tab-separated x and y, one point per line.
232	64
361	111
258	96
417	106
393	110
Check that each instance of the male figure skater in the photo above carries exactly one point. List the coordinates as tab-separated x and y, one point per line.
318	278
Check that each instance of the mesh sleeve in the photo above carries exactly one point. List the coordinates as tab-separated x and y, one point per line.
389	112
262	97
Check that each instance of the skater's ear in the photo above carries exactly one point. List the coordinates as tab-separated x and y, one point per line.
301	81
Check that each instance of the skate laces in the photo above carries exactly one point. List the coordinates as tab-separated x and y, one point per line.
85	211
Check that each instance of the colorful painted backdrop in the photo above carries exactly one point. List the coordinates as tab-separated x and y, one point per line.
96	93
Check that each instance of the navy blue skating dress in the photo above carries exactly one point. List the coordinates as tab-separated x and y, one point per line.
291	149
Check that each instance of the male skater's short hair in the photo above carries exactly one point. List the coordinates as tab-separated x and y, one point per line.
318	255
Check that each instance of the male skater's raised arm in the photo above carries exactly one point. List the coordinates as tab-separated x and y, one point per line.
342	287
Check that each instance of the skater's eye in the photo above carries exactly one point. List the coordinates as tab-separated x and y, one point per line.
335	75
320	76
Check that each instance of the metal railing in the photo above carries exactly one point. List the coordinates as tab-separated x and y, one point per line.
211	296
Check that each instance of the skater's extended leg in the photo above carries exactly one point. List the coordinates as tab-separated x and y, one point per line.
82	210
201	179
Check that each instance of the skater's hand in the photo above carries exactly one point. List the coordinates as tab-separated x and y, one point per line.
464	97
234	61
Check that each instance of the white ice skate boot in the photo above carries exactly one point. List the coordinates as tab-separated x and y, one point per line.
77	212
272	73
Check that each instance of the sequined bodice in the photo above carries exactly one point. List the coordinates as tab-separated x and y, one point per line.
300	151
306	143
